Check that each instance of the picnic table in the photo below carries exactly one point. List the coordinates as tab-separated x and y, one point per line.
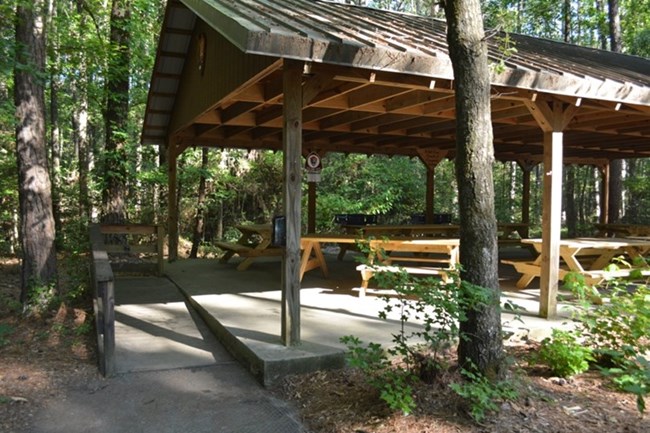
385	251
407	230
586	256
255	241
626	230
504	232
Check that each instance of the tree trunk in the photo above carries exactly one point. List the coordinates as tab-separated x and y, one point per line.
614	26
200	212
570	201
481	345
632	209
37	232
55	143
116	116
615	191
566	26
82	143
615	166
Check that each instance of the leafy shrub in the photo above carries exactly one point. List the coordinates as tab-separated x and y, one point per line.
564	354
483	394
5	330
392	383
618	333
418	354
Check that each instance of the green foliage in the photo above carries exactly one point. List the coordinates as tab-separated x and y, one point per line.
40	298
632	376
393	383
418	353
83	329
617	332
76	290
5	330
391	187
483	395
565	354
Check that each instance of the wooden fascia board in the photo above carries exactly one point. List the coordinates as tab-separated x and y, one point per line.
235	30
573	86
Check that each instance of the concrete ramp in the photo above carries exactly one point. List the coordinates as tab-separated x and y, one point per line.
155	329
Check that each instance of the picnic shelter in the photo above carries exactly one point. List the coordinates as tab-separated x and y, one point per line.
305	76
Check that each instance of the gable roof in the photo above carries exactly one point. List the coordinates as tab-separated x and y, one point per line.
415	49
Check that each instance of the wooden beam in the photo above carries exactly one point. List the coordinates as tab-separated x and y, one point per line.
431	157
551	223
604	193
527	168
552	116
292	147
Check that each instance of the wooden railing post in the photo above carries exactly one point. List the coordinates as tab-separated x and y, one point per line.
103	301
160	242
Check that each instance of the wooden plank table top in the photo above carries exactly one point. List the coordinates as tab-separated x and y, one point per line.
573	252
407	230
623	229
312	255
403	229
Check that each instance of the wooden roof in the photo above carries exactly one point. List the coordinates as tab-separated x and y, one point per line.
381	82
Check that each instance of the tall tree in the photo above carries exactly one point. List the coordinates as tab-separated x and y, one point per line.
615	166
200	205
117	114
482	345
55	142
37	230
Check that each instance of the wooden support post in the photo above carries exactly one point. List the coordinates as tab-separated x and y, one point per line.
526	168
311	207
172	209
604	193
431	179
431	158
292	146
552	117
551	223
103	282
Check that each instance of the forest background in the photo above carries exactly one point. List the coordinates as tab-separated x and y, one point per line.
99	58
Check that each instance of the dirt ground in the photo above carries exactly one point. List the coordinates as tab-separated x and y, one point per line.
43	358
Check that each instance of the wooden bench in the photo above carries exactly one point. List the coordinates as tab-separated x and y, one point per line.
367	272
248	252
529	270
388	259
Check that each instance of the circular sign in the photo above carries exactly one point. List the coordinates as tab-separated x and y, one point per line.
313	161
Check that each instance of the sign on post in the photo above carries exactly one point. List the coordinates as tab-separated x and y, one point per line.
313	166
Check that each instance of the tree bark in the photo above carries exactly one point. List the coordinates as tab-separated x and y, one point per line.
570	201
82	143
481	345
615	166
200	203
615	191
116	115
55	142
37	231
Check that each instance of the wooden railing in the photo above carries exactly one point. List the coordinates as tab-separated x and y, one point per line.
135	231
103	301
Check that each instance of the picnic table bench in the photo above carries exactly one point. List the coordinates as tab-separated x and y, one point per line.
625	230
384	252
586	256
255	241
368	271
